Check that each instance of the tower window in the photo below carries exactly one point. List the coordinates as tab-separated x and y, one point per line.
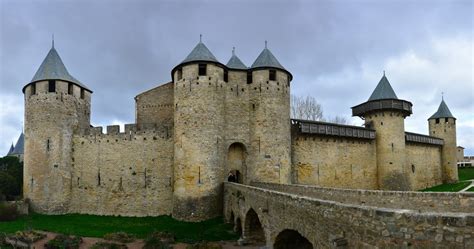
180	73
446	120
226	75
272	75
33	89
70	88
249	77
52	86
48	144
437	120
82	93
202	69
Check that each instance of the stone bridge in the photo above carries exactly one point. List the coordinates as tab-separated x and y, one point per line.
302	217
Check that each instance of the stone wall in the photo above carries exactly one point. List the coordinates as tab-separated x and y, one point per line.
127	174
334	161
445	128
424	165
327	224
155	106
422	201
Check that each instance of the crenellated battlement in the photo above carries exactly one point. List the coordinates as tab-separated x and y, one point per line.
132	132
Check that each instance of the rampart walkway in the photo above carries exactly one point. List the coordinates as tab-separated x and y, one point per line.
292	216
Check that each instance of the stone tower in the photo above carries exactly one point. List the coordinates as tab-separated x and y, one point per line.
56	106
198	124
442	124
385	113
270	123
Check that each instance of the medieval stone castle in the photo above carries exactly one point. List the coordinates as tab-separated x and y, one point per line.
209	120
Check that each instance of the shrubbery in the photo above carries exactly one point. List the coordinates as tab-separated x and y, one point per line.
120	237
108	245
11	177
8	212
64	242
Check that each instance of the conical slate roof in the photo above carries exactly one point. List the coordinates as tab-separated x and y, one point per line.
10	151
53	68
19	146
383	90
235	62
267	59
200	53
443	111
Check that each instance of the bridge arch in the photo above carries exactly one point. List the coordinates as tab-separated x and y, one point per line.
291	239
253	229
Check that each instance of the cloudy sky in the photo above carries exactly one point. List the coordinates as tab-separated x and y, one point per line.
336	50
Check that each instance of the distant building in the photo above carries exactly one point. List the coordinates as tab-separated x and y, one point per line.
463	161
18	149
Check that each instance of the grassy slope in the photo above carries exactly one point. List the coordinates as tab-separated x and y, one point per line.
464	175
98	226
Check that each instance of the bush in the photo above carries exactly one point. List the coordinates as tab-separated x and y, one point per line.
159	240
108	245
205	245
120	237
64	242
8	212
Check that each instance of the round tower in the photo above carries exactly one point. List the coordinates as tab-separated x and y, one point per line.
442	124
56	107
198	143
270	120
385	113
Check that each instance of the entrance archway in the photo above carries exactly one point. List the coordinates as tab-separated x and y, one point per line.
236	163
291	239
253	229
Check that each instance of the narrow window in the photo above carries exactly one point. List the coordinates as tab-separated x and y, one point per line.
70	88
48	144
51	86
249	77
272	75
33	89
446	120
202	69
82	93
437	120
226	75
180	74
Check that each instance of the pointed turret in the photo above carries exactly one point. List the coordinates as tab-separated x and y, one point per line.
200	53
442	112
52	68
10	150
235	62
266	59
20	145
383	90
383	98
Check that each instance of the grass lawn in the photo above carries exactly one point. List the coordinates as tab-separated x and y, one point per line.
449	187
464	175
470	189
97	226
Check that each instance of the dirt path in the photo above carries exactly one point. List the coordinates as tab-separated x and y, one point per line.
88	242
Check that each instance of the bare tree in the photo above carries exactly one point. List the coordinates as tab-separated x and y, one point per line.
305	108
339	120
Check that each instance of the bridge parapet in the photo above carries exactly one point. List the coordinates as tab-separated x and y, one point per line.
419	201
327	224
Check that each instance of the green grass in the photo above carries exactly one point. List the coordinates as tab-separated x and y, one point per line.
448	187
470	189
97	226
466	174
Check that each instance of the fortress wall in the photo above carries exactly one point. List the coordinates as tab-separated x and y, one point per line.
126	174
155	106
334	162
424	165
422	201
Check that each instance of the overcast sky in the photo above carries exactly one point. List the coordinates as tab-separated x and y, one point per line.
336	51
